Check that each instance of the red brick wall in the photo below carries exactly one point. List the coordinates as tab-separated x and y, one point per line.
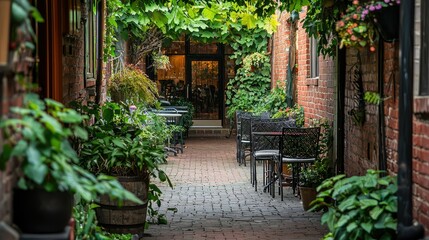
361	149
317	96
8	98
420	139
73	66
280	53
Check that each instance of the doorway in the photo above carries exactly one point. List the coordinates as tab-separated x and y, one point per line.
204	91
199	73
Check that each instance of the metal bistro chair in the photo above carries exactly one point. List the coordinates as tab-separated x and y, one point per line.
239	116
298	146
265	138
173	117
243	138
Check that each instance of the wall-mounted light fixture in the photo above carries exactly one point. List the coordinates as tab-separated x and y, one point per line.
5	11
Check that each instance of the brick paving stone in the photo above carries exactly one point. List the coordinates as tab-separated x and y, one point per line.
215	200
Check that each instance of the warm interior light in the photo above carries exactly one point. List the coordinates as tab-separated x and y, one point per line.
4	31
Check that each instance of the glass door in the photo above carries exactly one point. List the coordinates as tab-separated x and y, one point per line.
203	92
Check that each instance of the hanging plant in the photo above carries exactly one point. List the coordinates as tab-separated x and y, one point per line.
356	28
161	61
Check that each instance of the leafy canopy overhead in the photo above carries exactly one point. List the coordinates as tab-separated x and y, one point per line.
204	21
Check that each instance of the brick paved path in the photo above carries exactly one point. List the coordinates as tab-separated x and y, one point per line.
215	200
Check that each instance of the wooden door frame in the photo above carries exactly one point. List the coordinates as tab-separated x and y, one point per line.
221	69
49	50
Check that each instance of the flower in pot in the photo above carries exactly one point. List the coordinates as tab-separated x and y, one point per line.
356	27
38	137
129	146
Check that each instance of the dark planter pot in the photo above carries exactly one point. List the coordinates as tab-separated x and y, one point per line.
307	196
128	217
38	211
387	23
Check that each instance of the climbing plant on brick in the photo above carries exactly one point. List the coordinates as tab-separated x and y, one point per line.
250	85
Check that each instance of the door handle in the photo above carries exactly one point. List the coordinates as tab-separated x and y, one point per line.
187	90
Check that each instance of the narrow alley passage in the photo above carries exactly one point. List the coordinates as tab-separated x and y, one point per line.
215	200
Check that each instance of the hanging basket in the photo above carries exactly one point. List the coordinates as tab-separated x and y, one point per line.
387	23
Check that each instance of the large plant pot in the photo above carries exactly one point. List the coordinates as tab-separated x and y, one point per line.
38	211
387	23
307	196
129	217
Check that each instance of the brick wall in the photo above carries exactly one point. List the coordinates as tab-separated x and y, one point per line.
280	53
317	96
9	97
73	66
361	149
420	139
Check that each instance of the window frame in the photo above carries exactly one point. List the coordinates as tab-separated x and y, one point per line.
314	58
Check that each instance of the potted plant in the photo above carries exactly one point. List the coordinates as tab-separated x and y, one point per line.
130	146
356	28
38	137
161	61
309	179
132	84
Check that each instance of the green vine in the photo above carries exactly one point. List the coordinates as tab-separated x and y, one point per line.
250	85
244	24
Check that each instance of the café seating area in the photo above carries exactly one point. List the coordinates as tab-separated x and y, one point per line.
274	143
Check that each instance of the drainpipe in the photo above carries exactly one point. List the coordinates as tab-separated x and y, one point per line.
100	36
381	125
406	229
341	89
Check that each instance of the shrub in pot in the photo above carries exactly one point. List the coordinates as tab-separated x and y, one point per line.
310	177
129	146
38	137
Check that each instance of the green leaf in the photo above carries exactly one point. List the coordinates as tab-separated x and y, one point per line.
33	155
365	203
375	212
367	227
249	20
162	176
36	15
352	226
5	156
344	219
37	173
208	13
80	133
348	203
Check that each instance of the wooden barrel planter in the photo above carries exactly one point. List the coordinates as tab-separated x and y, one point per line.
130	217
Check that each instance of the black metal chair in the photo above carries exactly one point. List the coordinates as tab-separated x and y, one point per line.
243	133
241	145
298	146
265	136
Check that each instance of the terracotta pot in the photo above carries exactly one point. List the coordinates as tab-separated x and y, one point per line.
308	195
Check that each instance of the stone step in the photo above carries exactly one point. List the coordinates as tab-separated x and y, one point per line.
208	132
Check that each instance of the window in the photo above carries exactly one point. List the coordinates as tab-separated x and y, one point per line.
314	59
90	41
423	89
